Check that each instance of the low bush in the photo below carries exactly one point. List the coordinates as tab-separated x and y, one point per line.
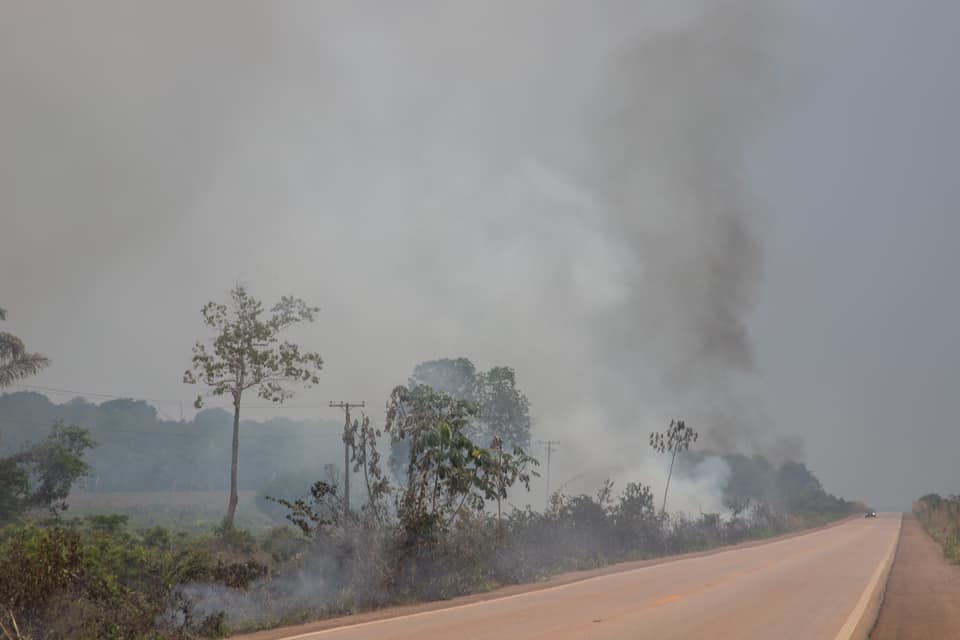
95	580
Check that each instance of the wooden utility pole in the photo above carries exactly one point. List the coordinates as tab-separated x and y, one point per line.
346	406
549	444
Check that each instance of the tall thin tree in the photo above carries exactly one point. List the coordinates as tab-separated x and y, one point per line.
678	437
247	353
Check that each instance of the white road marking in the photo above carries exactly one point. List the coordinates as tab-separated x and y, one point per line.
315	634
846	632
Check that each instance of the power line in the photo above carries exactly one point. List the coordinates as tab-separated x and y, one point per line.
114	396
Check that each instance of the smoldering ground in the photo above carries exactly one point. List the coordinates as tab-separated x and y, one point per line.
369	564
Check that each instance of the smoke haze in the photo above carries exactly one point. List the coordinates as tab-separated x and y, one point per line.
559	187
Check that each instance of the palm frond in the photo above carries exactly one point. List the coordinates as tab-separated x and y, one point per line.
27	364
11	347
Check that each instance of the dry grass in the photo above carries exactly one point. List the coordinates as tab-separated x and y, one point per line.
940	517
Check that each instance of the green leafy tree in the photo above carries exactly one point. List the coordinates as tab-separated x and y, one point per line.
445	471
246	354
501	470
678	437
502	410
41	476
456	377
361	438
16	362
439	455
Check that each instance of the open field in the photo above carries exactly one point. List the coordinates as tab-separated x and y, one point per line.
181	510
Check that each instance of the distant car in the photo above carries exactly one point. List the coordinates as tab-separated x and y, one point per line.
871	514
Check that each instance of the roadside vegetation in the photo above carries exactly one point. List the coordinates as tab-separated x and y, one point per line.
940	517
432	517
99	577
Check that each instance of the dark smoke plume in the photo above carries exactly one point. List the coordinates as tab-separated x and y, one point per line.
667	137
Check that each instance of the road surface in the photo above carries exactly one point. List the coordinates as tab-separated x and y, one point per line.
816	585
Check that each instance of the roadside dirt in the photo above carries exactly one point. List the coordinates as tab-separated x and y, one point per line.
922	599
566	578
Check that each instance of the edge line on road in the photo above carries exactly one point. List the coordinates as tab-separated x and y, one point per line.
320	632
856	616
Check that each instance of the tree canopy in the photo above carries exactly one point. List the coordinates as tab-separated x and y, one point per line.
503	410
247	354
41	476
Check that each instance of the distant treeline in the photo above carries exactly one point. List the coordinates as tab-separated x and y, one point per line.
139	451
790	488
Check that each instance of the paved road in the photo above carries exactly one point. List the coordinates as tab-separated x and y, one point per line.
806	587
923	595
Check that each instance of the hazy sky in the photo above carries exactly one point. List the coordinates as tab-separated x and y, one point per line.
730	210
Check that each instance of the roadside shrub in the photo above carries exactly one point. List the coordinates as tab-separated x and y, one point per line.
235	538
95	580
